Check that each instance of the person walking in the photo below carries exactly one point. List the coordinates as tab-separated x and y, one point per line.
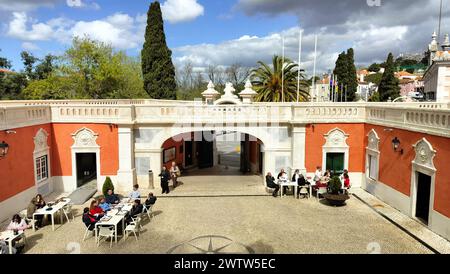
165	177
174	173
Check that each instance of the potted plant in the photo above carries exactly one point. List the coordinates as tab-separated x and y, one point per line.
107	185
334	197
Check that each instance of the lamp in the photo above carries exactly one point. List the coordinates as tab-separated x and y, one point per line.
396	145
3	149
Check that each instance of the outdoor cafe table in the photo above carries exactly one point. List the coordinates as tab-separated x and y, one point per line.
114	218
58	207
284	183
9	237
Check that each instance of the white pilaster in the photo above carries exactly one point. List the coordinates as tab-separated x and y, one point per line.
298	148
126	175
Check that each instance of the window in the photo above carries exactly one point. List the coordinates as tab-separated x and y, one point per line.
373	167
41	168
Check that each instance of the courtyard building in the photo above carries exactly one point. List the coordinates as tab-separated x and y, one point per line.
398	152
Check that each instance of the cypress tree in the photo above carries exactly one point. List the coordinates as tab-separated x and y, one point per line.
351	84
341	72
157	67
389	85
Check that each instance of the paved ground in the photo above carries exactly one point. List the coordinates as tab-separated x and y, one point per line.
259	224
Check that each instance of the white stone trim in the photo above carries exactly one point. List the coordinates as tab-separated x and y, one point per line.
423	163
41	149
336	142
372	149
85	141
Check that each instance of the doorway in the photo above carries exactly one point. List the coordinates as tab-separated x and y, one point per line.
423	197
86	165
205	151
335	163
188	161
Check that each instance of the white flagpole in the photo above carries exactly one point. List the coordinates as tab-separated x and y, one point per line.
314	69
299	63
282	72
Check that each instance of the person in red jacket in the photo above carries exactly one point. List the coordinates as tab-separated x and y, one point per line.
346	181
95	210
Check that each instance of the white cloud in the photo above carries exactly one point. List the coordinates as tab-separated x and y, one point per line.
247	50
74	3
18	28
30	46
176	11
120	30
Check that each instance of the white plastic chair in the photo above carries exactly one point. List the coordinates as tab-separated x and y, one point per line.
135	218
304	191
134	227
148	211
86	233
320	191
107	232
67	210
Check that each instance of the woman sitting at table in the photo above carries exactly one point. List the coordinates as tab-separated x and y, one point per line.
88	219
17	224
35	204
104	205
95	210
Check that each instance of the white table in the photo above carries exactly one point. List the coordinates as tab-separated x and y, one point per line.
9	237
55	208
116	218
283	183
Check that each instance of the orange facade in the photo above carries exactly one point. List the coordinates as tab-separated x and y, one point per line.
395	169
17	168
315	140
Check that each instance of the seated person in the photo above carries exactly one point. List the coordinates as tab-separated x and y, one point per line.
135	194
151	200
17	224
35	204
270	183
135	210
4	248
112	198
88	219
346	181
95	210
104	205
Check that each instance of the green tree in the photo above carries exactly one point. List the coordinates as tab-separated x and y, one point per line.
29	60
46	67
374	67
157	67
267	82
345	70
351	83
374	78
389	84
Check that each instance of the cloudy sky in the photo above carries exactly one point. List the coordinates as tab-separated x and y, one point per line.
223	32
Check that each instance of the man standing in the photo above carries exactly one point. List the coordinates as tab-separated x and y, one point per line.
174	173
165	177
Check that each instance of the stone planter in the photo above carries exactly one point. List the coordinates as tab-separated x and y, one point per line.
336	199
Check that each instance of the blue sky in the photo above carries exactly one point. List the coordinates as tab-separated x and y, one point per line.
223	32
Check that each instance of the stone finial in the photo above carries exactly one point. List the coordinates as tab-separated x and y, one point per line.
210	94
248	93
446	43
229	91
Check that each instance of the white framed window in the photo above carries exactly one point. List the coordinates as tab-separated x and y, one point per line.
372	156
42	168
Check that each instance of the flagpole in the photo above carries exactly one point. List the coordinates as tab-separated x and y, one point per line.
299	63
282	72
342	92
440	20
314	70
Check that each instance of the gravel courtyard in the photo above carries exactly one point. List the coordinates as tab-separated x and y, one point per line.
239	224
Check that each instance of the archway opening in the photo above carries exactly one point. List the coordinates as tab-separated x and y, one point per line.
215	159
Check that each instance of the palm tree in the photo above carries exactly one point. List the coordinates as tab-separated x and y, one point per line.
267	81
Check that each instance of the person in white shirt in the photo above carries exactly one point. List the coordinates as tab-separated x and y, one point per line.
135	194
317	174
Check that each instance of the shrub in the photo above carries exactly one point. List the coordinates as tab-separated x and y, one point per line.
335	185
107	185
